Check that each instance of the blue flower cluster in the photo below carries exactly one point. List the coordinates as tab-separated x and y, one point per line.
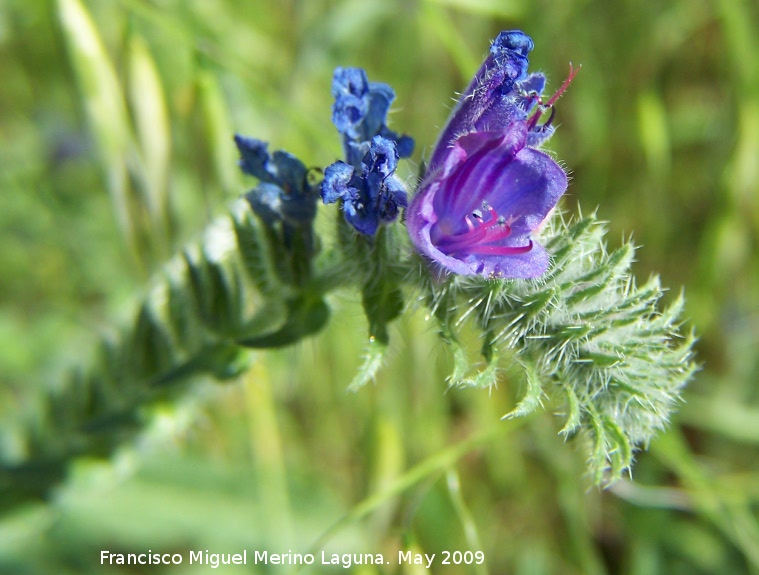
285	200
371	194
366	184
284	193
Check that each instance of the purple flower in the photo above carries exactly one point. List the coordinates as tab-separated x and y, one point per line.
487	187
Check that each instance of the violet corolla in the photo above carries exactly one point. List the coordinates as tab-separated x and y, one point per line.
487	187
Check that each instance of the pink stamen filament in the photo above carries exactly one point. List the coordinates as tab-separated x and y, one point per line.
501	250
542	107
478	239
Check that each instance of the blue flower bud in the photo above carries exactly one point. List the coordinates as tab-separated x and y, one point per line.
370	195
365	183
284	192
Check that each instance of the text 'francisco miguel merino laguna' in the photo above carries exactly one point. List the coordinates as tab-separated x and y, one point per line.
214	560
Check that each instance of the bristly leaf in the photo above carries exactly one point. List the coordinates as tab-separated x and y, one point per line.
585	333
305	316
373	358
531	400
215	295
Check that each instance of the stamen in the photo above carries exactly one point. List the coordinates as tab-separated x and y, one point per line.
547	124
488	250
481	236
533	120
531	95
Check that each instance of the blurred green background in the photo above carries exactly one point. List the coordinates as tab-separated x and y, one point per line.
115	150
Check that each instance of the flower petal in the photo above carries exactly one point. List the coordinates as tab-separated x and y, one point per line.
491	93
336	183
475	156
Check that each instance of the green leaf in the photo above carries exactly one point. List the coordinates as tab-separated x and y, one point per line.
615	360
306	315
374	355
532	398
